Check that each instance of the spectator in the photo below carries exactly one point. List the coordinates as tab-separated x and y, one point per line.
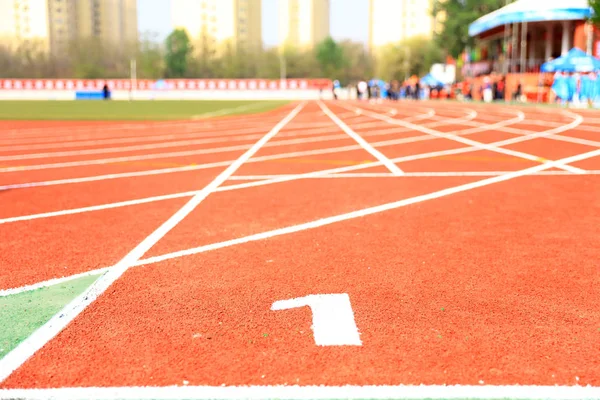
105	92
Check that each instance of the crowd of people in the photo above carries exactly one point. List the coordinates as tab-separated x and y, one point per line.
575	88
395	90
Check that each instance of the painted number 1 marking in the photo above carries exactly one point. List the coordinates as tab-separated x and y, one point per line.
332	318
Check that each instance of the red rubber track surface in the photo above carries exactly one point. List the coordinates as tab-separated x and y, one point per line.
494	284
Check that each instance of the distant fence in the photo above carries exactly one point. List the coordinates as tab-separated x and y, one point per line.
168	89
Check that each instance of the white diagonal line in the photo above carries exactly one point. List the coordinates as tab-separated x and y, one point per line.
58	322
362	142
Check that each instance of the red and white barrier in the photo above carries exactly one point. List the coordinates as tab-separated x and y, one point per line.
167	84
168	89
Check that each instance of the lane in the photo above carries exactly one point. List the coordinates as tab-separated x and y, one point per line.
34	251
235	214
54	130
431	286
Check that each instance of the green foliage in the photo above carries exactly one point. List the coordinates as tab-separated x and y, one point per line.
414	56
346	61
331	58
178	51
150	60
459	14
595	6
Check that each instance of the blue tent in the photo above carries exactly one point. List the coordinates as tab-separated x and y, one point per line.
575	60
431	81
532	11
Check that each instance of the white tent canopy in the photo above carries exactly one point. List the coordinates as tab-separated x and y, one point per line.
532	11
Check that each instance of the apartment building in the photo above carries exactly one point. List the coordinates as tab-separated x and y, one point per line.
211	24
391	21
303	23
54	24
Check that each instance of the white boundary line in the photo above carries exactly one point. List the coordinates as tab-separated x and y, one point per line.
405	175
154	156
284	178
273	179
257	159
51	282
15	358
371	210
233	187
413	392
394	169
10	362
484	146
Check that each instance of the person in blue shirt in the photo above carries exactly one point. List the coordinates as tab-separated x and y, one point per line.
336	89
560	87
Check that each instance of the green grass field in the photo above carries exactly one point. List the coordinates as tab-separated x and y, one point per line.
130	110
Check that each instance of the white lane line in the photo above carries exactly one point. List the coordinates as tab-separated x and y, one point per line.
107	132
362	142
330	150
413	392
370	210
497	177
272	179
176	154
270	117
15	358
300	130
559	138
51	282
405	175
486	146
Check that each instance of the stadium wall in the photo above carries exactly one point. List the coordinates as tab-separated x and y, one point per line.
175	89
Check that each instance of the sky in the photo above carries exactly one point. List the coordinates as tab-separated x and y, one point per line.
348	19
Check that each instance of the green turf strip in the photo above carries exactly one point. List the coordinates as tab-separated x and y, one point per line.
21	314
129	110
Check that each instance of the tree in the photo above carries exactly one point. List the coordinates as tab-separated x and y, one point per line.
359	64
150	58
178	51
414	56
595	6
331	58
456	16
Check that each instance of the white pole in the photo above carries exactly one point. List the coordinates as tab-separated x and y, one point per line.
566	25
523	66
133	77
505	67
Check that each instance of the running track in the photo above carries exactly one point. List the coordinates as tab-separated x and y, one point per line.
458	243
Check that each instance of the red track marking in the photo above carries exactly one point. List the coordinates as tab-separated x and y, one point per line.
216	147
480	160
55	198
312	163
537	128
444	292
408	149
490	136
452	127
230	215
267	151
399	134
550	149
589	164
581	134
34	251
